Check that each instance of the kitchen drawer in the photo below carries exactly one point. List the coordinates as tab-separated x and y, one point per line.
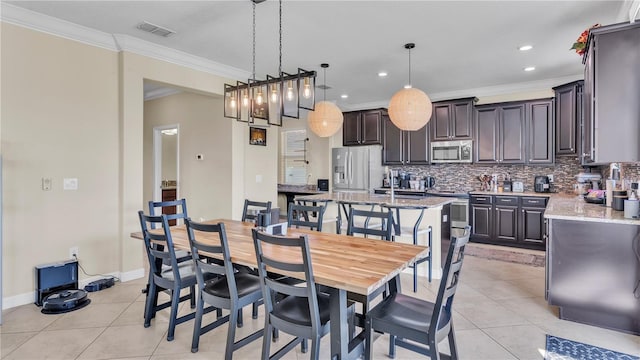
534	201
507	200
481	199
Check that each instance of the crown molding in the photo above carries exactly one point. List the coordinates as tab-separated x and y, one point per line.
159	93
16	15
505	89
142	47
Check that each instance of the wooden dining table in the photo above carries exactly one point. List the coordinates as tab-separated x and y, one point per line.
341	263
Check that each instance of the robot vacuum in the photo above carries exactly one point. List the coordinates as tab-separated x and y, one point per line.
64	301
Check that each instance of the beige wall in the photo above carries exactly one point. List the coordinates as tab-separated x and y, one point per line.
59	118
204	183
75	110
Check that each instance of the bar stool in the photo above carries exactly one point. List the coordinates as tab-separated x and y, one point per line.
414	232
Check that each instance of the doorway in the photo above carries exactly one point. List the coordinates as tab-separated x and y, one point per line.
166	162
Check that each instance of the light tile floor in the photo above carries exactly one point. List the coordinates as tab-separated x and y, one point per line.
500	313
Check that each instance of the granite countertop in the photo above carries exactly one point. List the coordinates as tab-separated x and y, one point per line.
525	193
169	187
575	208
367	199
299	189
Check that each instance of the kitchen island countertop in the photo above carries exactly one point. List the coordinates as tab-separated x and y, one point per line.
366	198
575	208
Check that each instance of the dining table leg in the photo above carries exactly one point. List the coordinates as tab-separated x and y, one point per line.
339	324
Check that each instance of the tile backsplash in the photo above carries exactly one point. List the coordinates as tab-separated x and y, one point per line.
464	177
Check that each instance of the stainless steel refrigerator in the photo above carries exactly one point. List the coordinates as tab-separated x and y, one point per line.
357	168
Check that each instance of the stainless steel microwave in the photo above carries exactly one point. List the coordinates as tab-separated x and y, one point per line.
451	151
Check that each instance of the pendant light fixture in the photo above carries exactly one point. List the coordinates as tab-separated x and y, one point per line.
410	109
274	98
327	118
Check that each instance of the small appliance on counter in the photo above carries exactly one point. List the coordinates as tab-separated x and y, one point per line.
323	184
517	186
586	182
541	184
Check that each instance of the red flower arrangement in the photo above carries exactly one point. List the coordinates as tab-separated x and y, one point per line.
581	44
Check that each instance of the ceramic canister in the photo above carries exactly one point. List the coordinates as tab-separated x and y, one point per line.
631	208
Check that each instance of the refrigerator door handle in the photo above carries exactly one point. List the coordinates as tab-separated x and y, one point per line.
350	168
346	169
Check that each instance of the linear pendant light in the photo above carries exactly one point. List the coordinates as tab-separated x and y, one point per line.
410	109
271	99
327	118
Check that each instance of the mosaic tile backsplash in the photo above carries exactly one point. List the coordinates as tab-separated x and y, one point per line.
464	177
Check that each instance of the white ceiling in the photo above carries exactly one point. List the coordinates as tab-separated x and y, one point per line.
463	48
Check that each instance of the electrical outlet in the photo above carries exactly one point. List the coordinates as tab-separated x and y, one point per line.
550	176
46	183
73	252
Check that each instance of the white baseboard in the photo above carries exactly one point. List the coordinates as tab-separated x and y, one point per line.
30	297
132	275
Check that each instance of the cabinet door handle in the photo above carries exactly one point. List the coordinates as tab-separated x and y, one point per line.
506	200
531	201
571	149
523	211
481	198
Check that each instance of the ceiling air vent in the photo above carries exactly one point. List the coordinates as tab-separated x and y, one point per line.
155	29
323	87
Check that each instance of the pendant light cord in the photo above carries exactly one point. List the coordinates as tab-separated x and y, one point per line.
254	41
410	84
280	29
324	88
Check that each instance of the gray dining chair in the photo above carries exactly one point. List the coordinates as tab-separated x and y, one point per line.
173	277
301	310
417	324
230	289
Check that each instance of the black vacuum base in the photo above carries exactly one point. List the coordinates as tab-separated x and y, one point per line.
65	301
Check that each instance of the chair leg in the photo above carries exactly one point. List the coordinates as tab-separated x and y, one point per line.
368	340
193	296
175	302
415	277
254	310
315	348
231	334
150	304
240	321
392	346
218	313
266	342
197	326
452	344
276	334
304	346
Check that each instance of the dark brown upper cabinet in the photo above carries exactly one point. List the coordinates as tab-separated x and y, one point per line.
568	118
611	92
514	133
404	147
500	133
362	127
540	132
452	120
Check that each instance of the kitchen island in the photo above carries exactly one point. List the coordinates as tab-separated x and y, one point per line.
593	264
436	215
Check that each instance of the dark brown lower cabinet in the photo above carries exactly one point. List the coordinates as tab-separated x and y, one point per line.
516	221
169	195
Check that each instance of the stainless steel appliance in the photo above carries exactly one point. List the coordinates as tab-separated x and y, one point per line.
460	213
451	151
357	168
541	184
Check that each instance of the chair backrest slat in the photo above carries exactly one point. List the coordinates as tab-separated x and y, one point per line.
386	222
155	209
449	282
158	245
298	215
300	260
198	247
257	205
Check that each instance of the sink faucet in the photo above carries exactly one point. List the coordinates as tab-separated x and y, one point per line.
390	177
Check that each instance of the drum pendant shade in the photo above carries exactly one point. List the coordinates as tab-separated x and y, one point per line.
326	119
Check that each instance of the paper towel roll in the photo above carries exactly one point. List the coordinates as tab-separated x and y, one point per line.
631	208
611	184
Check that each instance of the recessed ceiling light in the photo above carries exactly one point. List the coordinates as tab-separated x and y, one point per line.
382	74
529	68
525	47
344	96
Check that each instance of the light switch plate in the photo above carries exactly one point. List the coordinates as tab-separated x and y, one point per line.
70	184
258	178
46	184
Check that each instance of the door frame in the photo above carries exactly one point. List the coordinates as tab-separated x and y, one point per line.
157	160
